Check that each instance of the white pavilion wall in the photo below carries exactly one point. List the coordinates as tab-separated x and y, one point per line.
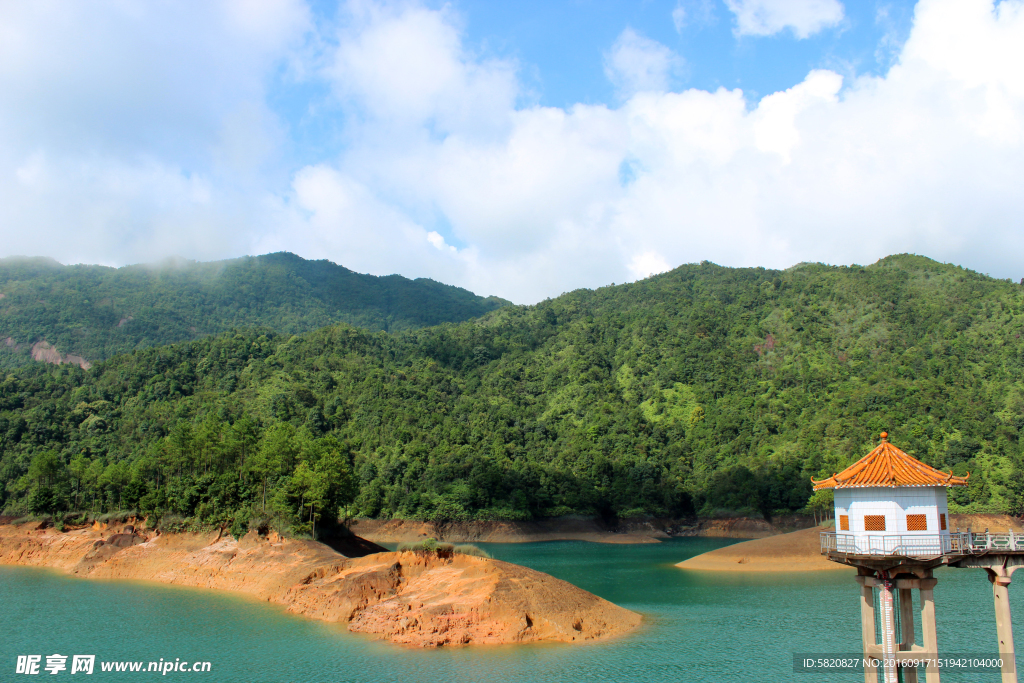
894	504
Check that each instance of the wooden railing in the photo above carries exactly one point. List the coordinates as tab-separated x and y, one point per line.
922	545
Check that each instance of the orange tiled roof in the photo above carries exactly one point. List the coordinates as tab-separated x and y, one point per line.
889	466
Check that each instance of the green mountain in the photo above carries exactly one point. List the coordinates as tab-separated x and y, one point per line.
701	390
93	312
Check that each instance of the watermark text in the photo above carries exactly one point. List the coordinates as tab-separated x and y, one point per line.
33	665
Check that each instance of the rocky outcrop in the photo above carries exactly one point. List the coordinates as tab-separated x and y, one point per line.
424	599
45	352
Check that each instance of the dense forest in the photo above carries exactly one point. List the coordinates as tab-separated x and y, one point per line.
96	312
699	391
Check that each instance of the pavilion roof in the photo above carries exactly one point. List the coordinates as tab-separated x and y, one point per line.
889	466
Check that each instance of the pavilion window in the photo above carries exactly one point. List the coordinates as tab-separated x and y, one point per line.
874	522
942	521
844	522
917	522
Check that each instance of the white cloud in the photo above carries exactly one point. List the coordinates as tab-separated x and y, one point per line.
679	17
919	160
405	64
637	64
775	124
693	12
131	128
768	17
437	241
646	264
445	173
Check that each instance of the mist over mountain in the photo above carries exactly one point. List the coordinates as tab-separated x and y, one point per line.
83	314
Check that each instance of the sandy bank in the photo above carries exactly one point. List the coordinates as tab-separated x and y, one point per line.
411	598
800	551
648	530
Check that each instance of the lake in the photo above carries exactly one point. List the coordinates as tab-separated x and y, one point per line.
698	626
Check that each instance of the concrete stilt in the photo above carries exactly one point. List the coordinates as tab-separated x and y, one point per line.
1004	627
1000	567
887	607
928	637
867	626
907	625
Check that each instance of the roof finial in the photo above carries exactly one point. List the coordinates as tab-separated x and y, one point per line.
884	435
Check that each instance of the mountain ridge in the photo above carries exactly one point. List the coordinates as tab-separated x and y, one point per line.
703	390
94	312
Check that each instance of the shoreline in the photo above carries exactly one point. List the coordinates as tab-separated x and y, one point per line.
411	598
629	531
800	551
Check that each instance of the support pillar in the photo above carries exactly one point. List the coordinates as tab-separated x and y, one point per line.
1004	627
867	626
888	650
907	625
928	637
887	606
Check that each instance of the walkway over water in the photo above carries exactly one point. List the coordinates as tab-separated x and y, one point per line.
922	545
900	563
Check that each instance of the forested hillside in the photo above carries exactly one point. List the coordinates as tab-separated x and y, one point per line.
702	390
96	312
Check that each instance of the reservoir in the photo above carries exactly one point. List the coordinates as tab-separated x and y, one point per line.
698	626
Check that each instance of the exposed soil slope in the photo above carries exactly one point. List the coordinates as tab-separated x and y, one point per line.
413	598
44	352
980	522
800	551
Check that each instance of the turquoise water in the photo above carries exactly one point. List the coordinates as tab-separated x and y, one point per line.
699	627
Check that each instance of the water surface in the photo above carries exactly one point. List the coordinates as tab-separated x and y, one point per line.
698	626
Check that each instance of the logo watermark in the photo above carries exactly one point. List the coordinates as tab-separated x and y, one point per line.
33	665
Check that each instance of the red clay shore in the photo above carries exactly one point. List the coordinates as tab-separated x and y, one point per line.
421	599
800	551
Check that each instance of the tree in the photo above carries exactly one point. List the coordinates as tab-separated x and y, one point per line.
274	454
45	468
92	477
208	441
78	468
180	443
43	500
820	504
245	438
332	485
116	476
302	484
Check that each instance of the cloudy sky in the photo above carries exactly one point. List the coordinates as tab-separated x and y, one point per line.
519	149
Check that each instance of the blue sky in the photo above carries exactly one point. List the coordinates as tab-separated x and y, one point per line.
561	44
559	49
519	149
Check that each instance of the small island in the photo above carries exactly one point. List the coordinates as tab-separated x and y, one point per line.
420	598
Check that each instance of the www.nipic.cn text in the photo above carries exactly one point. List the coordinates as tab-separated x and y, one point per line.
86	664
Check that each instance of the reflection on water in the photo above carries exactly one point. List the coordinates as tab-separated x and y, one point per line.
698	626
